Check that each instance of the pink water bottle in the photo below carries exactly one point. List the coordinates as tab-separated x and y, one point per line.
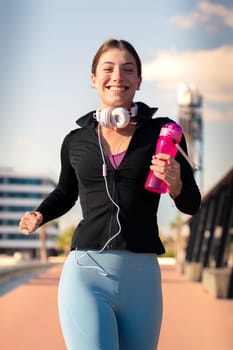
169	135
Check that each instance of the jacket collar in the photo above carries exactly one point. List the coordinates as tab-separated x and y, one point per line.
145	113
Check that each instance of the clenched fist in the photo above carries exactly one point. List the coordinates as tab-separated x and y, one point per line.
30	221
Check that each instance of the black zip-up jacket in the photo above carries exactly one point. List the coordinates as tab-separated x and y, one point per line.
82	175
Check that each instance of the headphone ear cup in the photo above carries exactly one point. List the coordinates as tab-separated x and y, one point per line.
104	117
120	117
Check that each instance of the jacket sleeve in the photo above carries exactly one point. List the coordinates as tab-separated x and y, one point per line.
64	196
189	199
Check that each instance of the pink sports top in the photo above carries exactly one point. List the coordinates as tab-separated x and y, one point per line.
116	159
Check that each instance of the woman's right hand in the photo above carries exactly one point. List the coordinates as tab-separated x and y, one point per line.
30	221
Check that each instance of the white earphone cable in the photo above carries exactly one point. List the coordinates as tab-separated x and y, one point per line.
98	268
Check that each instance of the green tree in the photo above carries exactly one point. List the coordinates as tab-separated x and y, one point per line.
63	241
180	228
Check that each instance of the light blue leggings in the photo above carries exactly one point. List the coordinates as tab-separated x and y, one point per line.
119	311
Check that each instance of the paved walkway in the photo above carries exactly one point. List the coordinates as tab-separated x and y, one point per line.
192	318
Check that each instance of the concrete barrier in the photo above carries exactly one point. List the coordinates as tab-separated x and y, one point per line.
193	271
9	273
216	281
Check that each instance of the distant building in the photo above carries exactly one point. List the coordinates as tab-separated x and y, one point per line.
20	192
190	118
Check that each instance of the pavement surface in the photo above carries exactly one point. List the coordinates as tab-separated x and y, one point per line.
192	318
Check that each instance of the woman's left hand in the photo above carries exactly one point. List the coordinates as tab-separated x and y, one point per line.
166	168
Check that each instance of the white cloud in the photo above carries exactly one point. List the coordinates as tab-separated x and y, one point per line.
210	70
216	10
187	21
206	12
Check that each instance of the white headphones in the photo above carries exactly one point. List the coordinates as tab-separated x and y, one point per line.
118	117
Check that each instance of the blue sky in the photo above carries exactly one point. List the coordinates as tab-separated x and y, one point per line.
46	51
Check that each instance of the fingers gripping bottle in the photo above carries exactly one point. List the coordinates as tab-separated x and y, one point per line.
170	134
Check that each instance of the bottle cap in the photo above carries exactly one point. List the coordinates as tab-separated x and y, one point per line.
172	130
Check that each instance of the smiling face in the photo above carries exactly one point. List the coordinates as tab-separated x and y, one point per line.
116	78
